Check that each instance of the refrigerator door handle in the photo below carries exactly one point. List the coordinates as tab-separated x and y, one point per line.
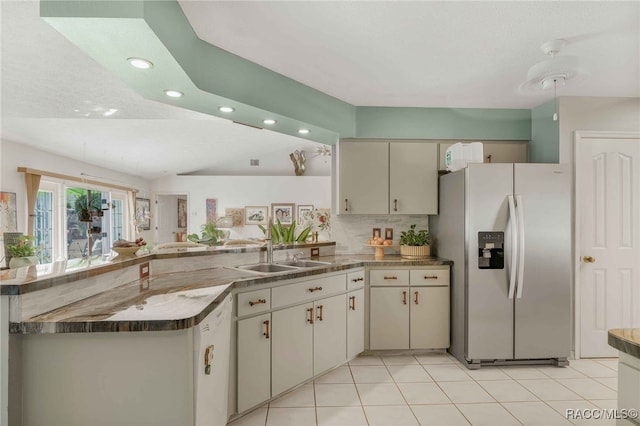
514	246
520	210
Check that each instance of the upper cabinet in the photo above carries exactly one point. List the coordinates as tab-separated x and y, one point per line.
387	177
495	152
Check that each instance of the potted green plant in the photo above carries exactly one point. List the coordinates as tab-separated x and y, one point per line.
86	210
23	253
211	235
415	244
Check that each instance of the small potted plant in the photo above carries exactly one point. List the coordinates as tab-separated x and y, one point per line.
415	245
23	253
86	210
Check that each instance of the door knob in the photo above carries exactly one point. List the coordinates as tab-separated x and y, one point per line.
589	259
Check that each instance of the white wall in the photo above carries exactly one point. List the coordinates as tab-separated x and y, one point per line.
241	191
589	113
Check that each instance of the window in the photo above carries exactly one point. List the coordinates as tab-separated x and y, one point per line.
43	223
72	222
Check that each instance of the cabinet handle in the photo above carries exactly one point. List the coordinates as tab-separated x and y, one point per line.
310	312
404	297
430	277
416	301
266	333
311	290
320	316
355	280
346	204
395	205
257	302
391	277
352	303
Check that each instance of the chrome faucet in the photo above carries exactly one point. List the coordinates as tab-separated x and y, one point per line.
269	242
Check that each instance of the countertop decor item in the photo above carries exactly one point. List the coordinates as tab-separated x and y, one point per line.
379	249
23	252
211	235
415	245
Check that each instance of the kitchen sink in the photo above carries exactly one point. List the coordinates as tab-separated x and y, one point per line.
304	263
266	267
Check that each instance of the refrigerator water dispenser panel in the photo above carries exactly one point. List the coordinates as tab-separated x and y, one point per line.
491	250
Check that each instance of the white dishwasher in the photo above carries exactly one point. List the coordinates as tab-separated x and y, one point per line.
212	344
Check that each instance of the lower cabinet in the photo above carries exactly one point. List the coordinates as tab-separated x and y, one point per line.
409	309
254	361
307	340
389	325
292	347
355	323
303	334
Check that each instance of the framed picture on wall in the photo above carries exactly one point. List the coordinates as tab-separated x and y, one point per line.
304	211
182	213
256	215
283	212
8	212
143	213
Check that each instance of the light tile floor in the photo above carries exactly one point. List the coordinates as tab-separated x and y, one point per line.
435	389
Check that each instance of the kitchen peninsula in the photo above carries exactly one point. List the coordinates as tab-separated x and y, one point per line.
109	345
627	341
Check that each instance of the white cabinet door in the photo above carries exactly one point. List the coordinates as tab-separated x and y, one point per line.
254	361
429	318
389	323
329	333
355	323
363	179
413	178
292	347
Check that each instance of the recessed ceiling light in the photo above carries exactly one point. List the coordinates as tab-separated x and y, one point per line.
173	93
140	63
304	131
269	121
226	109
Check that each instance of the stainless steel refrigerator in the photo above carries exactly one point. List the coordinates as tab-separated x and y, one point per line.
507	228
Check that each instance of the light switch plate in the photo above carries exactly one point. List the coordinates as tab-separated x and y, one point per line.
144	270
315	252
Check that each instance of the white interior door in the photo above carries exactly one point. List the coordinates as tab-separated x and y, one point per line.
608	235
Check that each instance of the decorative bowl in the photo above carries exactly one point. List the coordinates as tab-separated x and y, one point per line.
126	251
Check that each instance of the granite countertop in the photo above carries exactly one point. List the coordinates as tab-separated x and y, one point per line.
38	277
626	340
178	300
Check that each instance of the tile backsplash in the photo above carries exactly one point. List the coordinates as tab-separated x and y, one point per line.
350	232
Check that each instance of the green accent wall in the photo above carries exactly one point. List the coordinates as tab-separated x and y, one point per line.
443	123
545	135
111	31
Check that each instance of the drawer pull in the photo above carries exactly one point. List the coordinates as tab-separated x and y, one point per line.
416	300
257	302
404	297
311	290
430	277
391	277
352	303
266	333
355	280
320	316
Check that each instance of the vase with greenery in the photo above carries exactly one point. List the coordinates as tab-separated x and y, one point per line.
23	253
415	244
286	234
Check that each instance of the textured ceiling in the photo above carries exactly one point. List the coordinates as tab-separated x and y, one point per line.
427	54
